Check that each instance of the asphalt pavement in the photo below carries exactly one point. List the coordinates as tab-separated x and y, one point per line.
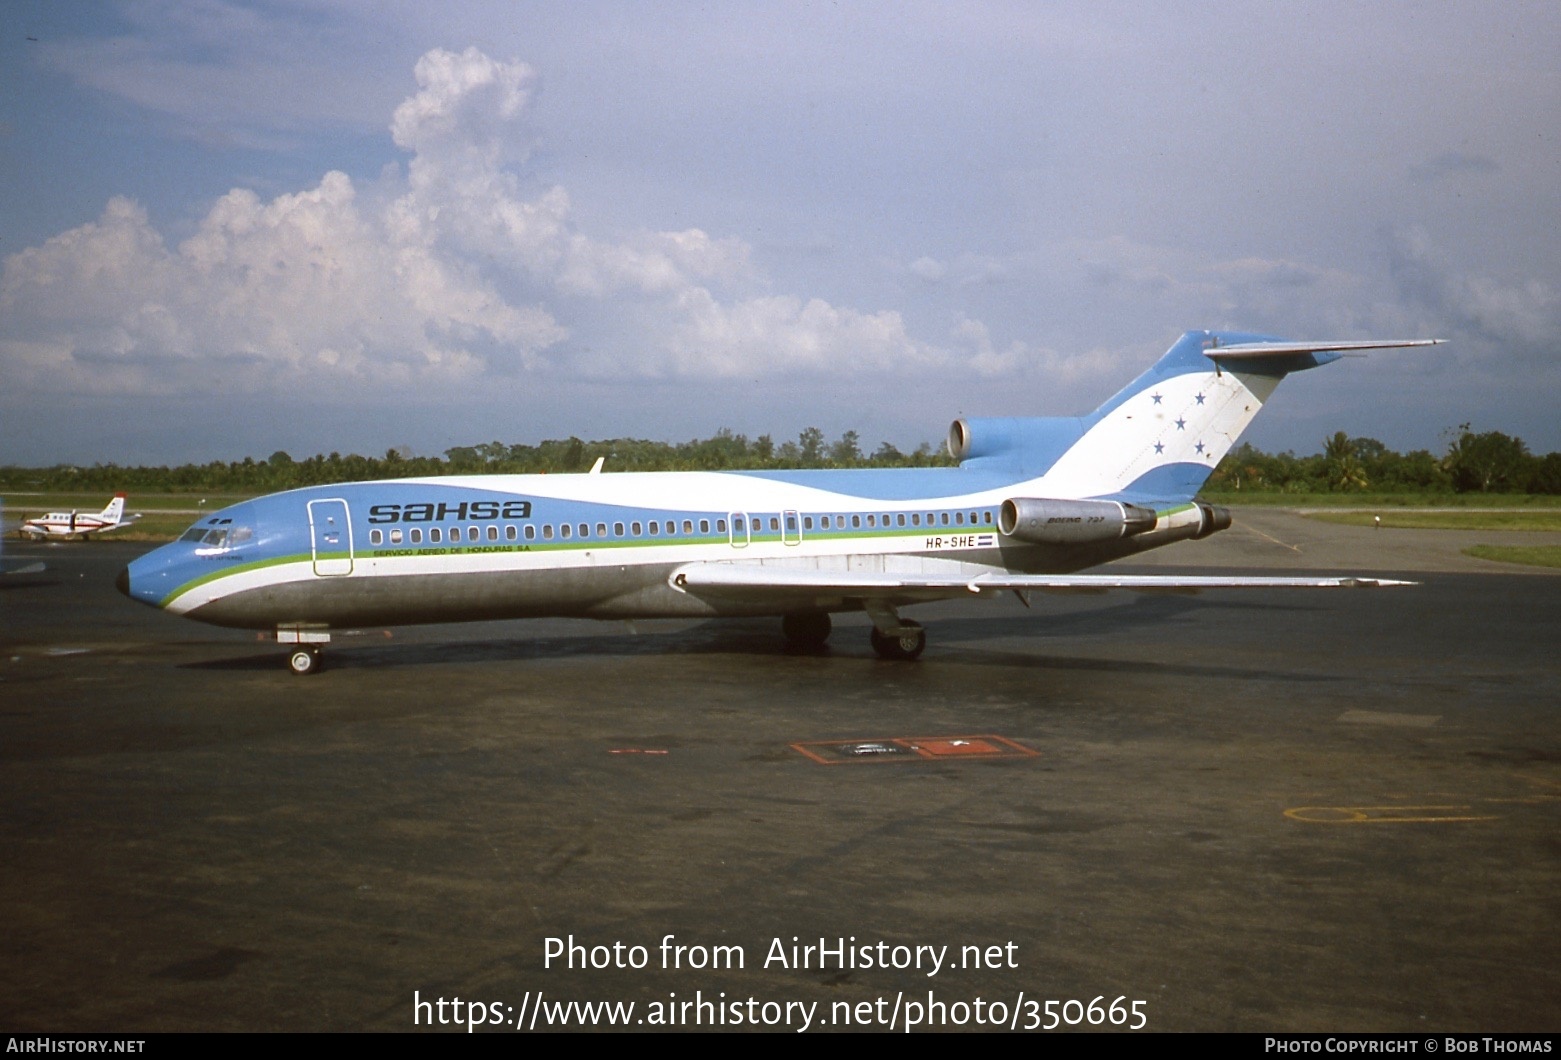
1291	810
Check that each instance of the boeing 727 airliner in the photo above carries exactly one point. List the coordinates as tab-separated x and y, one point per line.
1031	502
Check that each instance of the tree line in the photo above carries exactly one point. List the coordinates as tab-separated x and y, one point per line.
725	451
1490	462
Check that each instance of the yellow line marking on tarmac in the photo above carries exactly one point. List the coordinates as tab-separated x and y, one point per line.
1543	782
1547	794
1377	717
1384	814
1267	537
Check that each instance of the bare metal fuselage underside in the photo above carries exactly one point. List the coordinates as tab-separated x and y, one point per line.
600	588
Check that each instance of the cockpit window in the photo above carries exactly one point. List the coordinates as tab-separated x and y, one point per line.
222	537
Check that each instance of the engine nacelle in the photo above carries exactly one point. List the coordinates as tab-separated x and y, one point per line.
1057	522
1214	520
1039	438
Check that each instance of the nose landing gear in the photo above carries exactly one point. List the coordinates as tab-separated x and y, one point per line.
304	661
304	649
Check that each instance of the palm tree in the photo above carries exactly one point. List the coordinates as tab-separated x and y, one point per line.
1342	463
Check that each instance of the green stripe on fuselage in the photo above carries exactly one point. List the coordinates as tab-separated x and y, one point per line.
578	545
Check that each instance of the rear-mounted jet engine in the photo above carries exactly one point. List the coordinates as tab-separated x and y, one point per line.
1057	522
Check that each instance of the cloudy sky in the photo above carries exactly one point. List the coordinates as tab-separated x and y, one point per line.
231	228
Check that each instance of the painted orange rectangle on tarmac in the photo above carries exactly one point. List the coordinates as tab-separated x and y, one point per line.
973	746
911	749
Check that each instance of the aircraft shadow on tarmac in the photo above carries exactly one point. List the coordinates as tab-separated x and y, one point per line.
969	640
28	580
1146	613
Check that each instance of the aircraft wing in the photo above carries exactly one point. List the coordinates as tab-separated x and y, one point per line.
20	572
756	582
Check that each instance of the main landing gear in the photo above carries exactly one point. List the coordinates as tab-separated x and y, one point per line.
902	645
892	637
807	630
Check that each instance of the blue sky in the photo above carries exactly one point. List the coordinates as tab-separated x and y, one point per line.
228	229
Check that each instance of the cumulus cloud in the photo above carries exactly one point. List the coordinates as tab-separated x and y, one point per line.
448	271
982	356
812	335
463	103
301	289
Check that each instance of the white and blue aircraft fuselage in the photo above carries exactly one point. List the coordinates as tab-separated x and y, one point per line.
1031	502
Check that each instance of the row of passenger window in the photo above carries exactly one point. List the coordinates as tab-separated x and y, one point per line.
478	534
669	528
911	519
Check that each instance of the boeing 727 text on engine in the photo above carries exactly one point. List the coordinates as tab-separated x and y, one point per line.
1032	502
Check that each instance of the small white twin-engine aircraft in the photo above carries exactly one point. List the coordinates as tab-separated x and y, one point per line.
78	526
1032	502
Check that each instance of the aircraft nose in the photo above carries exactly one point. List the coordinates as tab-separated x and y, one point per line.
122	583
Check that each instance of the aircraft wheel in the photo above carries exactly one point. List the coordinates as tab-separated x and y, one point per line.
809	629
304	661
908	645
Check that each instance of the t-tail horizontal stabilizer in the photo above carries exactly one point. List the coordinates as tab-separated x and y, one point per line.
1158	439
1251	350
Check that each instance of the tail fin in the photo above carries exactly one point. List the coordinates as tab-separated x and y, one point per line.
115	510
1160	437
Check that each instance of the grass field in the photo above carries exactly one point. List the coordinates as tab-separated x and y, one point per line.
1536	501
1410	519
17	502
1533	555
